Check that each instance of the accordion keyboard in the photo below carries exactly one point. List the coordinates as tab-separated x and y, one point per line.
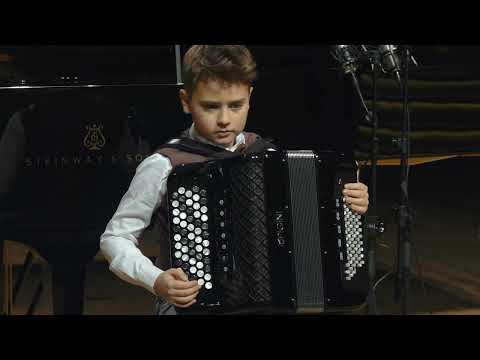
355	258
189	208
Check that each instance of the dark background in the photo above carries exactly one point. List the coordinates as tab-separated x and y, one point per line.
300	100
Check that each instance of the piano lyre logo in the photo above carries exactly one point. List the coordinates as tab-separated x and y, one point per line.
94	140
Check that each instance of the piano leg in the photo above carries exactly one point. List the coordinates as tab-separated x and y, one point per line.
68	288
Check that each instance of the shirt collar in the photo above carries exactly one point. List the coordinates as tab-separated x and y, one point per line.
193	134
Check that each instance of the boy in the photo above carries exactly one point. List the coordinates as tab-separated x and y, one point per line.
217	90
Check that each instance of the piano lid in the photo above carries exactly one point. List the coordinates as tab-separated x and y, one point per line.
83	66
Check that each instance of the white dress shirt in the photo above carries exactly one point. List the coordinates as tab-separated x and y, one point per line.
119	243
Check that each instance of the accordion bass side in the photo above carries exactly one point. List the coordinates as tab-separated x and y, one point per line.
268	232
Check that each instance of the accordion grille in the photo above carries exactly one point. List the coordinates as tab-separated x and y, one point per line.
251	281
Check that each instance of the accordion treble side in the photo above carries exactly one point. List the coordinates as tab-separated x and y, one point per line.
268	231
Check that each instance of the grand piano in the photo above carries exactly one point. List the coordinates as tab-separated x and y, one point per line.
74	123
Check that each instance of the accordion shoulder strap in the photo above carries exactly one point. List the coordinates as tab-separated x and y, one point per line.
254	144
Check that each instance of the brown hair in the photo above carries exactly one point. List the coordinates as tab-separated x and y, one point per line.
230	63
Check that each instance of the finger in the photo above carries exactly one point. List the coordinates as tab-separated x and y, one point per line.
184	300
179	274
183	285
187	305
184	292
359	209
356	186
356	193
356	201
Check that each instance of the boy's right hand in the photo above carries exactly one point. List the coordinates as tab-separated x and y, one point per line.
173	286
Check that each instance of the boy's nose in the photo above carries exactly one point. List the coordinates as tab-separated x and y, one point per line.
223	118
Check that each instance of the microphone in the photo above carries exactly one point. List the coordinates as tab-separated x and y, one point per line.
346	56
349	58
390	61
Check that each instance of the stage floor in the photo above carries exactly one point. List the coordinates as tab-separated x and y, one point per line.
108	295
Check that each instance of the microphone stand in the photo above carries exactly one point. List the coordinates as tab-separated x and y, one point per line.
404	216
373	225
372	220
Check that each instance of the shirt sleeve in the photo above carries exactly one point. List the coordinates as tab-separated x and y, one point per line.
119	243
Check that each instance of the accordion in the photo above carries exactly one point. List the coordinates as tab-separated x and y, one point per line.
268	231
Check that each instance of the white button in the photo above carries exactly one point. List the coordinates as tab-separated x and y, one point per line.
181	190
183	216
177	237
193	270
196	197
198	239
206	243
204	218
200	273
189	202
188	194
201	282
178	254
199	248
208	285
208	277
200	265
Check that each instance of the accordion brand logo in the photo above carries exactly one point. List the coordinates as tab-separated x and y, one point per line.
94	140
280	227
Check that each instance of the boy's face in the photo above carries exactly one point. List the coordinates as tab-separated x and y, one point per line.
219	109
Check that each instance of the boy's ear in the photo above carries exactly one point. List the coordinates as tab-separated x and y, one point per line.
184	99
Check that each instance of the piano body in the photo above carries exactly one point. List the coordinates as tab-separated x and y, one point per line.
75	122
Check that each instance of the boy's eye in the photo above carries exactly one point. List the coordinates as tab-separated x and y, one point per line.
210	107
236	106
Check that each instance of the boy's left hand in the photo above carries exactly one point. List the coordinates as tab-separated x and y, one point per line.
356	197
